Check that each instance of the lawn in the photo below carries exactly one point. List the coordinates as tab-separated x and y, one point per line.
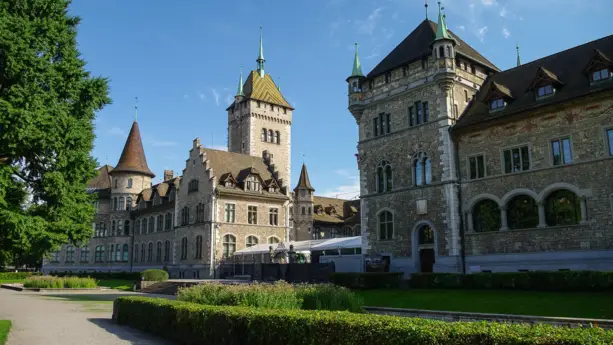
11	281
119	284
583	305
5	327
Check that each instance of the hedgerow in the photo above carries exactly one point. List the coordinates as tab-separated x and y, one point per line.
49	282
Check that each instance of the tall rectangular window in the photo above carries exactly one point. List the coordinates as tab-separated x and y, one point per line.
375	126
516	159
610	141
160	220
273	216
230	213
388	125
426	112
411	116
476	167
252	215
420	113
561	151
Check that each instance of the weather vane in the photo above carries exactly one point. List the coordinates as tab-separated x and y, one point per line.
135	108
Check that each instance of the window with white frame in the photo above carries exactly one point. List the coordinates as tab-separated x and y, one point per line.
252	183
251	241
230	213
229	246
252	214
516	159
130	183
273	216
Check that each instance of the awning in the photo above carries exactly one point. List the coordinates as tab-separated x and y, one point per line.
342	242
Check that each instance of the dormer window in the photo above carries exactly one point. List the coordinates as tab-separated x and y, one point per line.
229	184
252	184
545	91
271	190
601	75
497	104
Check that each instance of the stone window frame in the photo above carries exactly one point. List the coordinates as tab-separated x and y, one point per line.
386	175
184	248
249	221
167	250
198	254
420	158
485	174
273	216
249	239
607	144
226	209
271	239
379	224
550	150
227	239
135	253
150	251
510	147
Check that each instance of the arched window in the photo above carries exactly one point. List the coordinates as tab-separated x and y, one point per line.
135	252
118	253
251	241
129	203
137	226
142	252
70	254
198	247
441	52
126	253
270	135
357	230
449	52
273	240
278	136
158	251
264	134
229	246
384	177
386	225
422	169
166	251
562	207
426	235
522	212
184	248
143	229
486	216
122	205
126	227
150	252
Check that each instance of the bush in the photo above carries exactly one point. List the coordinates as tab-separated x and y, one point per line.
16	275
154	275
279	295
49	282
540	281
367	280
189	323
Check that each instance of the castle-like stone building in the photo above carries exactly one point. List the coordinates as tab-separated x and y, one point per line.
223	202
466	168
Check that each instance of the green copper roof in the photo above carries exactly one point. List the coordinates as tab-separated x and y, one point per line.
260	59
240	85
518	57
357	67
441	30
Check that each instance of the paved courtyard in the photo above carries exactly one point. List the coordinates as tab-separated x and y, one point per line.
66	319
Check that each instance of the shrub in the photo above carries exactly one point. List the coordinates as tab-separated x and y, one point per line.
155	275
328	297
367	280
101	275
16	275
189	323
540	281
49	282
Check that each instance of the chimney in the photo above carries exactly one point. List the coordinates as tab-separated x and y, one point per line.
168	175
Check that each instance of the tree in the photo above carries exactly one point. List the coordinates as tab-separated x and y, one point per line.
48	103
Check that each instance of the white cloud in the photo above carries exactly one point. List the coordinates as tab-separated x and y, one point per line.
488	2
350	190
117	131
506	33
481	33
215	95
369	25
462	27
503	12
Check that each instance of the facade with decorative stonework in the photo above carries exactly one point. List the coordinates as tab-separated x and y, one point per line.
465	168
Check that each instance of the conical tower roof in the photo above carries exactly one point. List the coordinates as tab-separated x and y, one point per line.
303	181
133	158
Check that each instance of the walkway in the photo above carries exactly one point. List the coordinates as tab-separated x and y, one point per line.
66	319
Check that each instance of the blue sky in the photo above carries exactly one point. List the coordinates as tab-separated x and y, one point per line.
182	59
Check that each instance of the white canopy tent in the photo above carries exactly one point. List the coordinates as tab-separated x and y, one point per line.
339	243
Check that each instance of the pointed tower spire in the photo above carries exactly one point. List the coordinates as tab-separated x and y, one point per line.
239	92
518	57
135	109
303	181
260	59
357	67
426	6
441	30
133	158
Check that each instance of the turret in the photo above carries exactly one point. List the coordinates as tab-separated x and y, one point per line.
443	51
303	207
260	60
239	93
355	81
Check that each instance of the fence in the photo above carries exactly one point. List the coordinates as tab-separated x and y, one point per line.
292	273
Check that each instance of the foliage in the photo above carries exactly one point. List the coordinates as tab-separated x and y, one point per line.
154	275
5	327
539	281
279	295
117	284
367	280
189	323
134	276
16	275
49	282
47	107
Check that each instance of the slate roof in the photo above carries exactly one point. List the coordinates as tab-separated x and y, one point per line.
566	67
345	211
263	89
162	189
102	180
418	45
133	158
303	181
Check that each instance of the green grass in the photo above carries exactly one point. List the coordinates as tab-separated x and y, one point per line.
119	284
582	305
11	281
5	327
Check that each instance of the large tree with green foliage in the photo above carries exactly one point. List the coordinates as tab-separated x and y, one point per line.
48	103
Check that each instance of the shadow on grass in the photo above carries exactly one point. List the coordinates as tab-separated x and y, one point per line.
126	333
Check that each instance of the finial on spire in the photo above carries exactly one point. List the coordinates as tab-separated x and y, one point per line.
518	57
260	59
426	6
240	92
357	67
135	109
441	29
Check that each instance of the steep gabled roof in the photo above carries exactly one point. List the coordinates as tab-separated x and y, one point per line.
264	89
133	158
417	45
303	181
567	67
102	180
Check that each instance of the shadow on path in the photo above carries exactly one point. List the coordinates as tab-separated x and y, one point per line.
126	333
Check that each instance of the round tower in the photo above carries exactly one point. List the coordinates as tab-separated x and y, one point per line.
303	207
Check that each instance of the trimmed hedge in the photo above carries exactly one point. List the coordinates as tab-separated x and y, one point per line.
16	275
100	275
367	280
189	323
48	282
154	275
538	281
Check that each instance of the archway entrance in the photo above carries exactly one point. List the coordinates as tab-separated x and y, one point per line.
426	248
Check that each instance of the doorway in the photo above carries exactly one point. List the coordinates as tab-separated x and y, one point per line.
426	259
425	242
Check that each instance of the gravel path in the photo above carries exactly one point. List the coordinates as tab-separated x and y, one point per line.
42	320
